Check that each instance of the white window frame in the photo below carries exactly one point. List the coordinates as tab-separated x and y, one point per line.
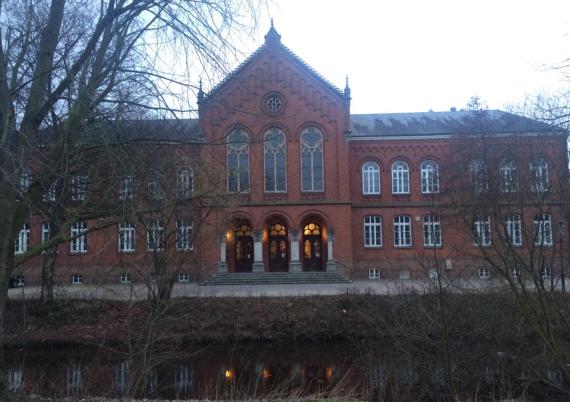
184	182
77	279
15	380
433	236
546	273
508	175
183	277
22	241
125	278
122	378
402	231
126	188
539	175
78	242
484	273
371	184
482	230
154	183
184	235
183	378
155	236
400	177
50	193
126	237
542	230
433	274
74	379
478	176
374	273
79	187
25	180
372	231
429	177
513	230
405	275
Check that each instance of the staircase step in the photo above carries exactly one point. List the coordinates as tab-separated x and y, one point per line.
274	278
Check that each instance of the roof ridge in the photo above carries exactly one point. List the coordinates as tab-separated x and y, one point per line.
249	59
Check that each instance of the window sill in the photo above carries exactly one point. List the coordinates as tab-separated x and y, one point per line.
373	247
404	247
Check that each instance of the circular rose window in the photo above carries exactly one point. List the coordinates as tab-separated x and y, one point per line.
274	103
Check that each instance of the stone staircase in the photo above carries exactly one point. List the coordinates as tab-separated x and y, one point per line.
274	278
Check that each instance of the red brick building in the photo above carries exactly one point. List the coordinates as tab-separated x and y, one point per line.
318	189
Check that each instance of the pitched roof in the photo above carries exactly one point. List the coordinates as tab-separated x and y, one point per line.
444	123
273	39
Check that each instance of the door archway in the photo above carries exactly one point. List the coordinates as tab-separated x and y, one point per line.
243	248
312	247
278	242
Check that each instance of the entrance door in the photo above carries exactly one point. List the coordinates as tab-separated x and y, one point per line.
278	248
243	249
312	248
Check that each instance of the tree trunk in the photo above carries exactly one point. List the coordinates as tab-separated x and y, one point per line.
48	273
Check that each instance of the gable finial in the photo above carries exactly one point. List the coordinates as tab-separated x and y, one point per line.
201	94
272	35
347	89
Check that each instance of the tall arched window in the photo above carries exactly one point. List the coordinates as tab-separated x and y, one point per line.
400	178
275	160
238	161
312	175
370	178
539	173
508	174
430	177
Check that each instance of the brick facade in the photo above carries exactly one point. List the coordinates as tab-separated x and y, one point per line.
274	89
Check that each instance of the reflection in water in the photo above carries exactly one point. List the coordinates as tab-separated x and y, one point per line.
254	372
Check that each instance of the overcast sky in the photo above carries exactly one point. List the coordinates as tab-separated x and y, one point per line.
416	55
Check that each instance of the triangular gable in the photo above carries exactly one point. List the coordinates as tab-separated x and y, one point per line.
273	41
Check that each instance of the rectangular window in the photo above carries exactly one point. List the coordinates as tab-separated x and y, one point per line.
22	242
125	279
183	379
545	273
513	230
482	230
127	188
405	275
122	378
155	189
25	179
126	237
47	229
432	231
15	380
155	236
374	273
183	235
74	379
50	194
79	186
542	230
433	274
372	231
184	183
183	277
76	279
78	243
484	273
402	231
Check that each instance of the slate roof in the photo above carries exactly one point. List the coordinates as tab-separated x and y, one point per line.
444	123
129	131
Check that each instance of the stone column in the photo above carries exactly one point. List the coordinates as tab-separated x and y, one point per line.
331	265
295	264
222	265
258	251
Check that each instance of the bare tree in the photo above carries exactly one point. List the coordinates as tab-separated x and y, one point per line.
65	64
